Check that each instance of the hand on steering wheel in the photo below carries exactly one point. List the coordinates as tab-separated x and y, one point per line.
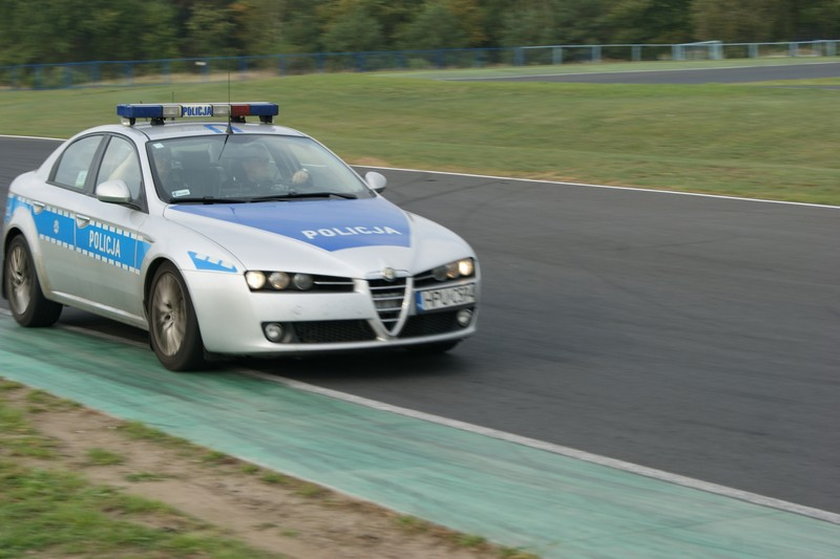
301	176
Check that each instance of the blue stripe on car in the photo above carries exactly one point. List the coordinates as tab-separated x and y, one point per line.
12	203
204	262
219	129
109	244
101	241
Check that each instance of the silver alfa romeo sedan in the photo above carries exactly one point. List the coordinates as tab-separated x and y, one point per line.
221	236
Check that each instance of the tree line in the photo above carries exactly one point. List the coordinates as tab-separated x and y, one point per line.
55	31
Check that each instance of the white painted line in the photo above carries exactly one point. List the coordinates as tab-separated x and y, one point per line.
563	183
660	475
605	186
45	138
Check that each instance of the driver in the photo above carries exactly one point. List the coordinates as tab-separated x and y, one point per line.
262	172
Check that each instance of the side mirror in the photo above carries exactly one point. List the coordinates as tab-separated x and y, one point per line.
376	181
113	191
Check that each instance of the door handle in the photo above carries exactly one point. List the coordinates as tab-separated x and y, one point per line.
82	220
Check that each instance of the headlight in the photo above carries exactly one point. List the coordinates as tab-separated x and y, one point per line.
256	280
466	267
304	282
463	268
280	281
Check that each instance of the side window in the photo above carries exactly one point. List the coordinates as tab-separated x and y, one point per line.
74	165
120	162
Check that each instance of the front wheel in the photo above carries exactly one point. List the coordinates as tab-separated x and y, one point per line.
173	326
26	300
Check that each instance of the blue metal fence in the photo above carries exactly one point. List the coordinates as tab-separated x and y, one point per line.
150	72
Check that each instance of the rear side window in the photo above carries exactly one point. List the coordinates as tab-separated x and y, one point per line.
75	163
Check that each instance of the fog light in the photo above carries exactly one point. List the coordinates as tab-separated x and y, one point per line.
274	331
464	317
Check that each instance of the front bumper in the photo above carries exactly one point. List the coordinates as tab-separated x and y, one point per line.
232	318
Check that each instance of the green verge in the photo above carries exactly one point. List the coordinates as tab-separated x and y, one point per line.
59	513
49	511
741	140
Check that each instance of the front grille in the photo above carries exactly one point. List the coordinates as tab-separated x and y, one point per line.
430	324
388	299
333	331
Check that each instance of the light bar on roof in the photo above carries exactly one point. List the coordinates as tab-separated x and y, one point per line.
158	113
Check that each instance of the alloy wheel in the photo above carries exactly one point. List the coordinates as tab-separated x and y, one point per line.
169	314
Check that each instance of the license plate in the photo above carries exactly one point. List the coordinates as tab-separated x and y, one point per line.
434	299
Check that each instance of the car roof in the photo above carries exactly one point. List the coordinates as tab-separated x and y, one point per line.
209	128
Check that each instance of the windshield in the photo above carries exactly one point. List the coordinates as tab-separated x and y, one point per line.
249	168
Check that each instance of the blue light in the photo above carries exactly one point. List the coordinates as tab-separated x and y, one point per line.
140	111
264	109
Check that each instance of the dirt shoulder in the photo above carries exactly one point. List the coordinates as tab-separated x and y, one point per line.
265	510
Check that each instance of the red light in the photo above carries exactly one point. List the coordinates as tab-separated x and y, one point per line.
240	110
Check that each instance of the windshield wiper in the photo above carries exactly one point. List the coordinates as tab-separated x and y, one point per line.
248	200
291	195
209	200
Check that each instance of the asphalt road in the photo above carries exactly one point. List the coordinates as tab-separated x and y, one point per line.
695	335
695	76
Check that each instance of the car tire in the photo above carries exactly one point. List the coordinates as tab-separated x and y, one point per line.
173	327
26	300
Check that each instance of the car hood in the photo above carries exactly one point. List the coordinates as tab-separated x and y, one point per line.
356	237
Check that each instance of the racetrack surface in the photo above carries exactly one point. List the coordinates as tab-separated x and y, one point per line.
695	335
692	76
554	503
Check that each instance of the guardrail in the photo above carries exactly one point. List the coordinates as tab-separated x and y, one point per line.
706	50
164	71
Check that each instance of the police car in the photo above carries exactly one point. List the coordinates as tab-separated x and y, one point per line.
226	236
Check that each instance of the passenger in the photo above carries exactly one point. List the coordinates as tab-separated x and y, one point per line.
170	176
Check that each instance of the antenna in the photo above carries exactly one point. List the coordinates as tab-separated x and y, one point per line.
229	129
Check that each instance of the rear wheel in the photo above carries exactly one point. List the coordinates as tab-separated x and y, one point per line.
173	326
26	300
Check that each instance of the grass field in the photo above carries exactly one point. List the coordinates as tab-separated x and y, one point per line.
743	140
